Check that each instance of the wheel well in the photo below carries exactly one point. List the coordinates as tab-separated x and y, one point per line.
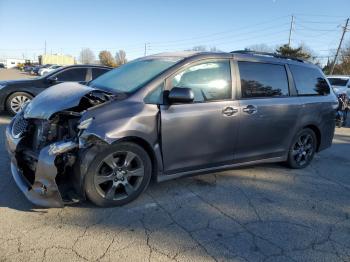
147	147
317	133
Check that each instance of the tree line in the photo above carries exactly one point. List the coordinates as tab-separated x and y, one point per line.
87	56
342	66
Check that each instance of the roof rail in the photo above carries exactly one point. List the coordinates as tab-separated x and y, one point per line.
251	52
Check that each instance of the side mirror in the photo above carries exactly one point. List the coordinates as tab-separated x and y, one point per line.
181	95
52	79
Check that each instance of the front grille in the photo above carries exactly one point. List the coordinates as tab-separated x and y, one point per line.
19	126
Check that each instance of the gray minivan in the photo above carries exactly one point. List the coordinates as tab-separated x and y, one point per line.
167	116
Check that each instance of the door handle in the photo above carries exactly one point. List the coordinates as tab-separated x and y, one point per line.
250	109
229	111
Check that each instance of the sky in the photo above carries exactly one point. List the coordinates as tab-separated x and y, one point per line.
68	26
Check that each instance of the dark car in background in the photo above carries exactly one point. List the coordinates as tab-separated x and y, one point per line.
29	68
15	93
168	115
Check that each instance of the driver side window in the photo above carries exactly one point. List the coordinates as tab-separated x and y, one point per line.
209	81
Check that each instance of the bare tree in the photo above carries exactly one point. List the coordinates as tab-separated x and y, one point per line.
200	48
87	56
107	59
120	57
214	49
343	65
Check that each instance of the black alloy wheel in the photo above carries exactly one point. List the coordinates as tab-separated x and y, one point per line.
303	149
118	175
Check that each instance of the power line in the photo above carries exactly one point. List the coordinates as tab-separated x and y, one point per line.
236	36
320	22
315	29
298	29
222	32
318	15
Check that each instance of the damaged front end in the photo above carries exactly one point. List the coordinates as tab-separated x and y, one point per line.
43	142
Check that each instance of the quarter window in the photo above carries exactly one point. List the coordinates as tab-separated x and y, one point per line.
263	80
74	75
209	81
156	95
309	81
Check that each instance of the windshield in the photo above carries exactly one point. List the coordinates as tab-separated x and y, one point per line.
338	81
133	75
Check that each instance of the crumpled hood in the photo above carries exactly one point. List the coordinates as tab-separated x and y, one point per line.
57	98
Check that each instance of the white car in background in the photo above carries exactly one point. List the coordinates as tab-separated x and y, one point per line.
340	84
44	70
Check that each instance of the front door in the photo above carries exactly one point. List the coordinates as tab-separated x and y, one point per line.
201	134
268	113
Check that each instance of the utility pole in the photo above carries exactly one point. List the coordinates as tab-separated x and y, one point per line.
290	30
345	29
146	47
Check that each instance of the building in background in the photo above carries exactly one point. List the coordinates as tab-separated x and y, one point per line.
13	62
56	59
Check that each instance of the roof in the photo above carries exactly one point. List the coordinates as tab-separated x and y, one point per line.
180	54
87	65
256	56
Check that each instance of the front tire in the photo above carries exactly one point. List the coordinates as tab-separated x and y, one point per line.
118	175
303	149
16	101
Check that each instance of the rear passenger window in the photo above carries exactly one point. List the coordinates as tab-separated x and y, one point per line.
309	81
263	80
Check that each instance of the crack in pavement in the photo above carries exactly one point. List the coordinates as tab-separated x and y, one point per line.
183	228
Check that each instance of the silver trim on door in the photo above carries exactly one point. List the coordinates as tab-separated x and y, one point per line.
250	109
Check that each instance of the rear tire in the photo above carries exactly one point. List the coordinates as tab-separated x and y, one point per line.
118	174
303	149
15	102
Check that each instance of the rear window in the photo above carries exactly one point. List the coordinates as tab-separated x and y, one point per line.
263	80
338	81
309	81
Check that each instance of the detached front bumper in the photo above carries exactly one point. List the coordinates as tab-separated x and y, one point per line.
44	190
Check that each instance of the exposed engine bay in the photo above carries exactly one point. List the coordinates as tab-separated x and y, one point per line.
46	148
